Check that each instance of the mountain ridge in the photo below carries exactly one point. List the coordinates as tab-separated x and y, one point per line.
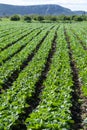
45	9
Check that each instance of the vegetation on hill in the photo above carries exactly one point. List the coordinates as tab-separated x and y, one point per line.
49	18
7	10
15	17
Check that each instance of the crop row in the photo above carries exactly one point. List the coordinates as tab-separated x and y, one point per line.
40	76
17	47
13	38
81	36
6	28
13	101
16	36
19	60
6	32
80	56
53	112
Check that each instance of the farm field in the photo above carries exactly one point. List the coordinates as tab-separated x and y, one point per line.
43	76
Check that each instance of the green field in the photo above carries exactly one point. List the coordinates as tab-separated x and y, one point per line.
43	76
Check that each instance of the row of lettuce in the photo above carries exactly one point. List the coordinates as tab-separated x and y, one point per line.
13	101
53	112
15	35
80	55
81	34
14	48
15	63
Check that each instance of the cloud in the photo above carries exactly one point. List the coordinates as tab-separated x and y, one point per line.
44	1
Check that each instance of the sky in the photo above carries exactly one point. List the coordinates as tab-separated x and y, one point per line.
71	4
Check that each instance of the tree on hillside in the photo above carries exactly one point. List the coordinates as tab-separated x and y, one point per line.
27	18
15	17
78	18
53	18
40	18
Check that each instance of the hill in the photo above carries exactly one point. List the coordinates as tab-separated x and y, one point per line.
36	9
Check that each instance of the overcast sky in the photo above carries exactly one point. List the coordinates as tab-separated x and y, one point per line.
72	4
